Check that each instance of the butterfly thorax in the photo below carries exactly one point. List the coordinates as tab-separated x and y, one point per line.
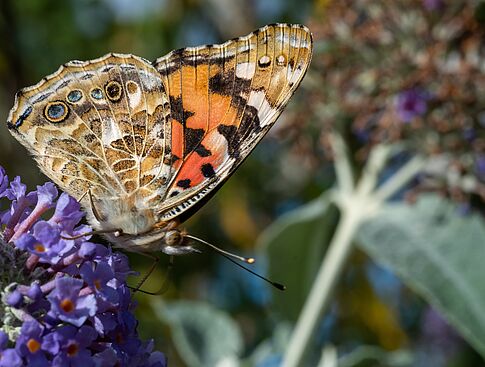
134	226
138	226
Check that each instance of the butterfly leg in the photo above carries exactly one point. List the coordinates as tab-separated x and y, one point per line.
116	233
82	196
165	284
156	260
96	214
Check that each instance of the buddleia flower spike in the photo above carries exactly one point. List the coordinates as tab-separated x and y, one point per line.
63	302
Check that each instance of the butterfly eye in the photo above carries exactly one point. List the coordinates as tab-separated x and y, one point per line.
113	90
56	111
97	93
74	96
173	238
264	61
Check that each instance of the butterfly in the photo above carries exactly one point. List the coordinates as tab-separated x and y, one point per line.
142	145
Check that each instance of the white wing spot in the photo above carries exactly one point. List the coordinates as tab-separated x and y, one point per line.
111	132
245	70
258	100
281	60
264	61
295	74
134	93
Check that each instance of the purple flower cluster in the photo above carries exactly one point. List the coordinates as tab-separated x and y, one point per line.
65	302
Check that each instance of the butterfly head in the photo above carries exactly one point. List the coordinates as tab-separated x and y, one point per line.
174	237
164	237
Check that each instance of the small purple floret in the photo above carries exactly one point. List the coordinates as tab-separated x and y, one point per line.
29	343
67	305
3	182
46	194
15	299
433	4
68	213
70	346
8	356
45	242
411	103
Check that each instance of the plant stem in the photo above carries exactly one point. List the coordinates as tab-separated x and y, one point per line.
345	177
355	206
321	291
328	357
400	179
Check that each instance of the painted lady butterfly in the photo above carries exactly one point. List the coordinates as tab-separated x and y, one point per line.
143	144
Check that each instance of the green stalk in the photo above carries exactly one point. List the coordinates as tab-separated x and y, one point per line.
319	297
356	205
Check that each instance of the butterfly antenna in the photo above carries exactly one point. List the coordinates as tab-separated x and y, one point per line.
93	207
230	256
116	233
247	260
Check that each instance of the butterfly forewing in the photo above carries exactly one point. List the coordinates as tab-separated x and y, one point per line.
224	98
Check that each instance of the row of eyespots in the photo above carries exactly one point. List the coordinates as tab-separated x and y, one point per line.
57	111
265	60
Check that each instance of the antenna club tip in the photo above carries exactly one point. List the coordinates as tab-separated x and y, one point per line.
279	286
250	260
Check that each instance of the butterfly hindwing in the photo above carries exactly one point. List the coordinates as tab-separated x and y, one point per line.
99	125
223	100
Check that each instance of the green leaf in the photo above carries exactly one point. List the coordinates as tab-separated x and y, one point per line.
272	347
367	355
439	254
294	246
202	334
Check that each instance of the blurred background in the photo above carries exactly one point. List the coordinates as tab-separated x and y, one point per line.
355	89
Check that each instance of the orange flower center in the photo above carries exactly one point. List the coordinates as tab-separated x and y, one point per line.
39	247
119	338
72	349
33	345
67	305
97	284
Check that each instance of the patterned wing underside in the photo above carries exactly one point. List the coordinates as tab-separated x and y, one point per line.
223	99
163	135
115	138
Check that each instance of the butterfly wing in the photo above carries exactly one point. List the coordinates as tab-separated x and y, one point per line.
99	125
158	138
223	100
